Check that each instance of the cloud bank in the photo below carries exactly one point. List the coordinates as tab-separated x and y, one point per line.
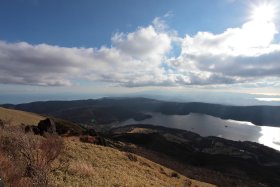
145	58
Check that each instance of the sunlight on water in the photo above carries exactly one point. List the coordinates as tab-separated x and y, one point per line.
206	125
241	122
268	99
270	137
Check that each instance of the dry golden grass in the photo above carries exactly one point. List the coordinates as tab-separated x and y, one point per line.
84	165
17	117
93	165
141	130
83	169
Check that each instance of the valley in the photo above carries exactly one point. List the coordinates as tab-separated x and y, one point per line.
196	145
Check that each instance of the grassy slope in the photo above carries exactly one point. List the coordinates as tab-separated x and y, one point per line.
17	117
92	165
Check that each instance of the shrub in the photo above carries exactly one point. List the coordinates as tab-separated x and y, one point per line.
10	171
175	175
29	156
5	122
39	155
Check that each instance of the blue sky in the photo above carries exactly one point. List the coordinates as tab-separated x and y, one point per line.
90	23
69	47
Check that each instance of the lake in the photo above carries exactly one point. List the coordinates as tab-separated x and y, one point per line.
206	125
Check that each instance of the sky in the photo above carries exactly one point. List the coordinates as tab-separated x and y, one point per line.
68	49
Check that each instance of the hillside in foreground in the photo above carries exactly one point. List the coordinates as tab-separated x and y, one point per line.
94	165
17	117
78	163
136	155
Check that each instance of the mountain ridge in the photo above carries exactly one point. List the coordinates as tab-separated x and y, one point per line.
120	109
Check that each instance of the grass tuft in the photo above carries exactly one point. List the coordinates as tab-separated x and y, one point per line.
131	157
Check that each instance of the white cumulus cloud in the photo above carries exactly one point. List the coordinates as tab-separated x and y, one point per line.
144	58
243	54
133	59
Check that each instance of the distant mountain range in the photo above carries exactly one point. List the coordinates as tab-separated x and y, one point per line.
108	110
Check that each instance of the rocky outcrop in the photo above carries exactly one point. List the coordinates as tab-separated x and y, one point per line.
47	126
31	128
56	126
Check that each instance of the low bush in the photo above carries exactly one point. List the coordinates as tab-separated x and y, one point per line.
10	172
5	122
27	158
175	175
